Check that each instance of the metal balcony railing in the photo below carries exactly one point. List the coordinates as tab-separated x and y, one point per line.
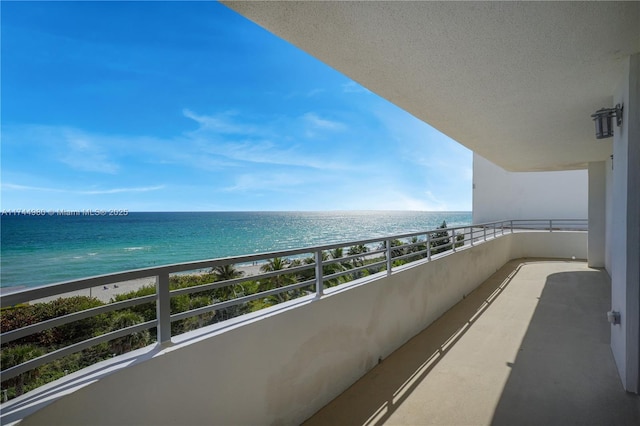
308	272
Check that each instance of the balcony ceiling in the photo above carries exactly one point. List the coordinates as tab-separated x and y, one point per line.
513	81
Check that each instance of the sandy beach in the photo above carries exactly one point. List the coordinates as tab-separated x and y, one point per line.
106	293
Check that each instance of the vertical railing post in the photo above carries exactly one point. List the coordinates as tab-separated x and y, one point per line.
319	275
502	227
511	224
550	225
494	230
429	247
484	231
163	307
453	240
389	261
471	235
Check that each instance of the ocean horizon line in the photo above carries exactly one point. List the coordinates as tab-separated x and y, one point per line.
8	210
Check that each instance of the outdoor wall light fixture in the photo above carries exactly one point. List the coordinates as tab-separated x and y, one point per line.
613	317
603	117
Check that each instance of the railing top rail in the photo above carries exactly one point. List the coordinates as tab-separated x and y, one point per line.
547	220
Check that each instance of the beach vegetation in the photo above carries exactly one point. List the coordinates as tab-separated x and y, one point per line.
38	344
277	281
226	272
395	252
136	339
337	253
147	311
16	355
440	240
358	249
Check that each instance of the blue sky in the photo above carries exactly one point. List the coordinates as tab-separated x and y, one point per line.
187	106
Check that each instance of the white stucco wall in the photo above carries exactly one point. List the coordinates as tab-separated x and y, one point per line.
281	366
624	228
608	215
597	209
498	194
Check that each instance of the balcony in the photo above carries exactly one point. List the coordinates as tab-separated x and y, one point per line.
284	363
528	346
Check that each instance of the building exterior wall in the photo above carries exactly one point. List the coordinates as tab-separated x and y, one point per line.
608	247
498	194
597	209
624	229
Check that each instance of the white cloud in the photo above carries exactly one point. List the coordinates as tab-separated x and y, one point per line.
122	190
266	152
17	187
400	200
314	92
75	148
435	202
258	182
309	94
86	154
220	123
353	87
220	137
322	123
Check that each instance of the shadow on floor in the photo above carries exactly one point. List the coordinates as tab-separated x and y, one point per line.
564	372
540	356
374	398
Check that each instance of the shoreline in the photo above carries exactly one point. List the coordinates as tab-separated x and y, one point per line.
106	293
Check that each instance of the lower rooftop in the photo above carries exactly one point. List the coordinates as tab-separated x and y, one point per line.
528	346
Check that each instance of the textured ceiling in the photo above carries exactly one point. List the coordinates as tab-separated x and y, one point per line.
514	81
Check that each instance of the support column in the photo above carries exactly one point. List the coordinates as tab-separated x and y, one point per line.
625	232
597	192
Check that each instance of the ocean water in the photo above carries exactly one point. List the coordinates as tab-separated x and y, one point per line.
38	250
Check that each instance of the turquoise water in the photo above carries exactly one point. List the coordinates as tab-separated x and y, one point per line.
38	250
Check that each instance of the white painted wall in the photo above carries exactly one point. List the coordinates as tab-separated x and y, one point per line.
597	209
282	365
498	194
550	244
624	230
608	247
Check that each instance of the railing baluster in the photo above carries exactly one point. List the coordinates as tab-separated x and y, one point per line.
453	240
389	261
163	307
550	225
471	235
429	247
319	274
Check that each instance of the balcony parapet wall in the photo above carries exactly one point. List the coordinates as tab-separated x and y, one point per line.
280	365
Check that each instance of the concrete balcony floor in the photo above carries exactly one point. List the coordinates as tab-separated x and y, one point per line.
530	346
